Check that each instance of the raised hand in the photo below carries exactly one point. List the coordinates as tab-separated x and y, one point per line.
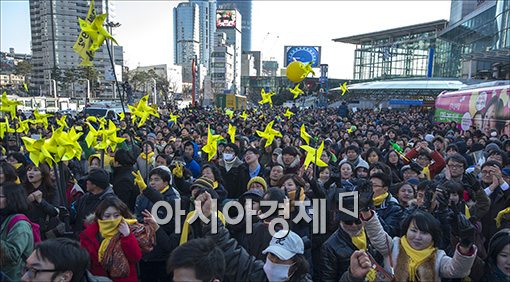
139	180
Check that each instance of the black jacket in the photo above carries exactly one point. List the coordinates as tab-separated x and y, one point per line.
336	254
85	206
166	238
390	214
236	179
124	187
45	212
500	200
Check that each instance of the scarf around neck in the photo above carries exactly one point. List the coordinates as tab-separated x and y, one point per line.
380	199
416	257
108	229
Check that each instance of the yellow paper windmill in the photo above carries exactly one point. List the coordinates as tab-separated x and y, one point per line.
91	138
308	69
229	113
344	89
212	144
62	122
8	105
96	31
269	134
232	133
109	137
313	155
288	114
23	125
5	128
173	118
303	134
41	118
122	116
296	91
143	111
266	97
37	150
244	115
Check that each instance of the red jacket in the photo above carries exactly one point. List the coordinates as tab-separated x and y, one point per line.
88	241
434	168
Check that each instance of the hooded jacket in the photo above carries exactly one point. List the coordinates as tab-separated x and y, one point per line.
86	205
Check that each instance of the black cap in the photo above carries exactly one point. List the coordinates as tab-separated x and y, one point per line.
347	204
99	177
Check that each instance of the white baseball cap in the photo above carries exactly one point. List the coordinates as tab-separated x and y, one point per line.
285	247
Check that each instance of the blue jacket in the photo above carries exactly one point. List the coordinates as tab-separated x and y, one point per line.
390	214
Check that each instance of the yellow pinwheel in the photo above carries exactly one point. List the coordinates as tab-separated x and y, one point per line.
109	137
296	91
96	31
23	125
313	155
269	134
91	138
266	97
62	122
143	111
307	69
8	105
303	134
343	87
288	114
212	144
5	128
173	118
122	116
25	86
244	115
232	133
41	118
37	150
229	113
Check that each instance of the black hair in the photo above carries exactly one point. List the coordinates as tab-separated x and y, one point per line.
234	147
491	163
452	147
215	170
66	255
376	151
16	198
386	180
167	158
425	222
201	255
299	269
112	202
164	174
501	153
380	165
352	148
253	150
457	158
46	187
124	157
9	172
272	194
454	187
19	157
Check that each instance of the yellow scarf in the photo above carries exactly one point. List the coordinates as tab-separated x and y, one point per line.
187	222
17	165
292	198
426	172
416	257
380	199
467	213
164	189
500	215
108	229
144	156
360	241
215	185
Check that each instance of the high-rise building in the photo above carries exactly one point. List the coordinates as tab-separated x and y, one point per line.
222	64
186	37
207	27
244	7
228	22
54	29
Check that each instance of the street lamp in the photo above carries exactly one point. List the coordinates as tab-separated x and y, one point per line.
87	97
155	92
54	88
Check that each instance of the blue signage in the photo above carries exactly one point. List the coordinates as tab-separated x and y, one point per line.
303	54
406	102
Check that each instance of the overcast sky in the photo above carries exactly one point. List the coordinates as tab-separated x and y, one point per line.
146	31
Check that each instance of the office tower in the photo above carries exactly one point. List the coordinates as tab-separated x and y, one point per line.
186	37
207	27
228	22
54	29
244	7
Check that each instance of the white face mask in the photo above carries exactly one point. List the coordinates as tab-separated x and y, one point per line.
276	272
228	156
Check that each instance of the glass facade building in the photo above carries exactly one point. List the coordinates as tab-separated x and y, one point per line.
186	37
207	27
244	7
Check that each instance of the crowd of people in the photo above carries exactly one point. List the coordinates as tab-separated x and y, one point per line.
430	202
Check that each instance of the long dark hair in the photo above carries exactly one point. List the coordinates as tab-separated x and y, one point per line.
8	171
47	187
16	198
113	202
299	269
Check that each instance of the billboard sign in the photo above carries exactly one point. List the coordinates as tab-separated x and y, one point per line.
226	18
303	54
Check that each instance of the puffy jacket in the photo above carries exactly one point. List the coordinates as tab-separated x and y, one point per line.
15	247
86	205
390	214
89	241
166	239
336	254
124	187
236	179
240	266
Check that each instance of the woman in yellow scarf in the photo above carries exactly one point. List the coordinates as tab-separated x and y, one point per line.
415	256
113	249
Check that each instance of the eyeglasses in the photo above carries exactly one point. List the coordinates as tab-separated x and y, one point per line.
456	166
486	172
351	222
32	272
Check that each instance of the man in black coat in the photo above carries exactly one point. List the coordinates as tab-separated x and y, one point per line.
122	178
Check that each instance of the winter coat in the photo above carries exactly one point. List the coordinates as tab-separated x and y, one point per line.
166	238
390	213
86	205
45	212
293	167
240	266
89	241
258	240
124	187
236	179
442	266
336	254
143	166
15	247
500	200
434	168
